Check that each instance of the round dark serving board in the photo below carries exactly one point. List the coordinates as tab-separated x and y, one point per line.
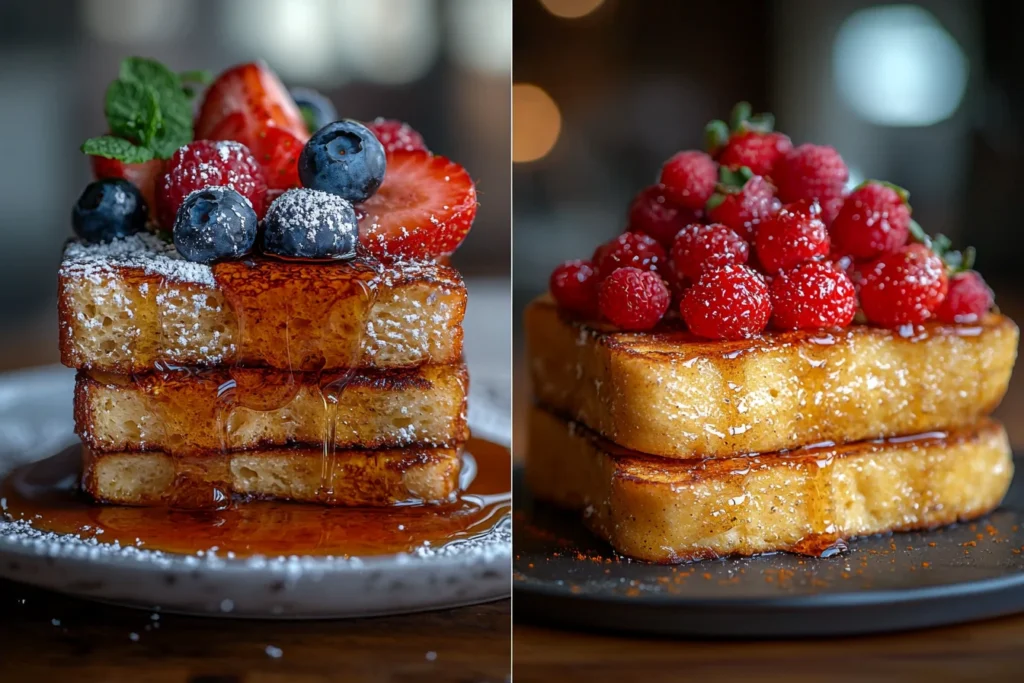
562	575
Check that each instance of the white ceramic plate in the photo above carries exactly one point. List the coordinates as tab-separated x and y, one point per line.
36	422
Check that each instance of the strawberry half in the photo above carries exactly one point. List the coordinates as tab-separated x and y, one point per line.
143	176
249	104
423	210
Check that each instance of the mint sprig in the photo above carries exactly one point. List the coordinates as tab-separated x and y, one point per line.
148	110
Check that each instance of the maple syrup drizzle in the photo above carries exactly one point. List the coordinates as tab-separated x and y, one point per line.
46	495
289	322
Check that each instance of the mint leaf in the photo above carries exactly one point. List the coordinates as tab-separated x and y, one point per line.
191	79
117	148
176	128
198	76
152	73
148	112
133	111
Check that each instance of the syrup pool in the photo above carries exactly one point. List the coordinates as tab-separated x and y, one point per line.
46	495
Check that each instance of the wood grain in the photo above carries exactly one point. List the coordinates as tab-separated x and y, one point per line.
46	637
986	651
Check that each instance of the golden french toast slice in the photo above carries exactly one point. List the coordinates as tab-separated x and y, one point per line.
663	510
373	478
181	412
668	393
134	304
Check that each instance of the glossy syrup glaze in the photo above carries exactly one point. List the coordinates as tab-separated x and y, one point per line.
299	315
46	496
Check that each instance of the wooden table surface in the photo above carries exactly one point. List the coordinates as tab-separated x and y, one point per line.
46	637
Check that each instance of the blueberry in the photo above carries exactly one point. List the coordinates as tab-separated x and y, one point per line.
317	110
215	223
107	209
304	223
343	158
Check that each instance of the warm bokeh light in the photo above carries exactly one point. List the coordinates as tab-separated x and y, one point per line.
571	9
536	122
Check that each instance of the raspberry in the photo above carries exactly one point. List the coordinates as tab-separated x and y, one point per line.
700	247
653	213
574	287
628	249
758	151
731	302
744	209
905	287
810	172
967	300
811	296
794	235
633	299
875	219
395	134
689	179
204	163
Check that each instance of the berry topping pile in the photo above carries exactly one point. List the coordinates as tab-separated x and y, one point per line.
331	185
756	234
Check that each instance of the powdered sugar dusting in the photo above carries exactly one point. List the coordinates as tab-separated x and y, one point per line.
144	251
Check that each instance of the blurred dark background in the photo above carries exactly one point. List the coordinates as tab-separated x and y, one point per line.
925	94
441	65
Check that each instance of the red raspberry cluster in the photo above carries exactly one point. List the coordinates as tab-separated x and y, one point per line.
755	232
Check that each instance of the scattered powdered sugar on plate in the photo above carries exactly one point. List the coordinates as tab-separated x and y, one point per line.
144	251
488	546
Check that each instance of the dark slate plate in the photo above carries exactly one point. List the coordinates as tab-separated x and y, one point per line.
564	576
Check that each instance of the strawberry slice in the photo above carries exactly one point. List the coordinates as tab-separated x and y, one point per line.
249	104
276	150
423	210
143	176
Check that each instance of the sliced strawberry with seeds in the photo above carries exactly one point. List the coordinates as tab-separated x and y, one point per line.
423	210
255	92
250	105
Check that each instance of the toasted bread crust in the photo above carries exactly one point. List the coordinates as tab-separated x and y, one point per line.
360	478
663	510
181	412
131	306
668	393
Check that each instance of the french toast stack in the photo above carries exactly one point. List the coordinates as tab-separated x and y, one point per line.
767	359
678	448
340	383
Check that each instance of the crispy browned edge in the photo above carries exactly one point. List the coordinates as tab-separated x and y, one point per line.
405	459
396	277
405	379
693	470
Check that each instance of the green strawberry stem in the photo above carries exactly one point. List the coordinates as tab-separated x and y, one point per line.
739	116
904	194
716	134
941	246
